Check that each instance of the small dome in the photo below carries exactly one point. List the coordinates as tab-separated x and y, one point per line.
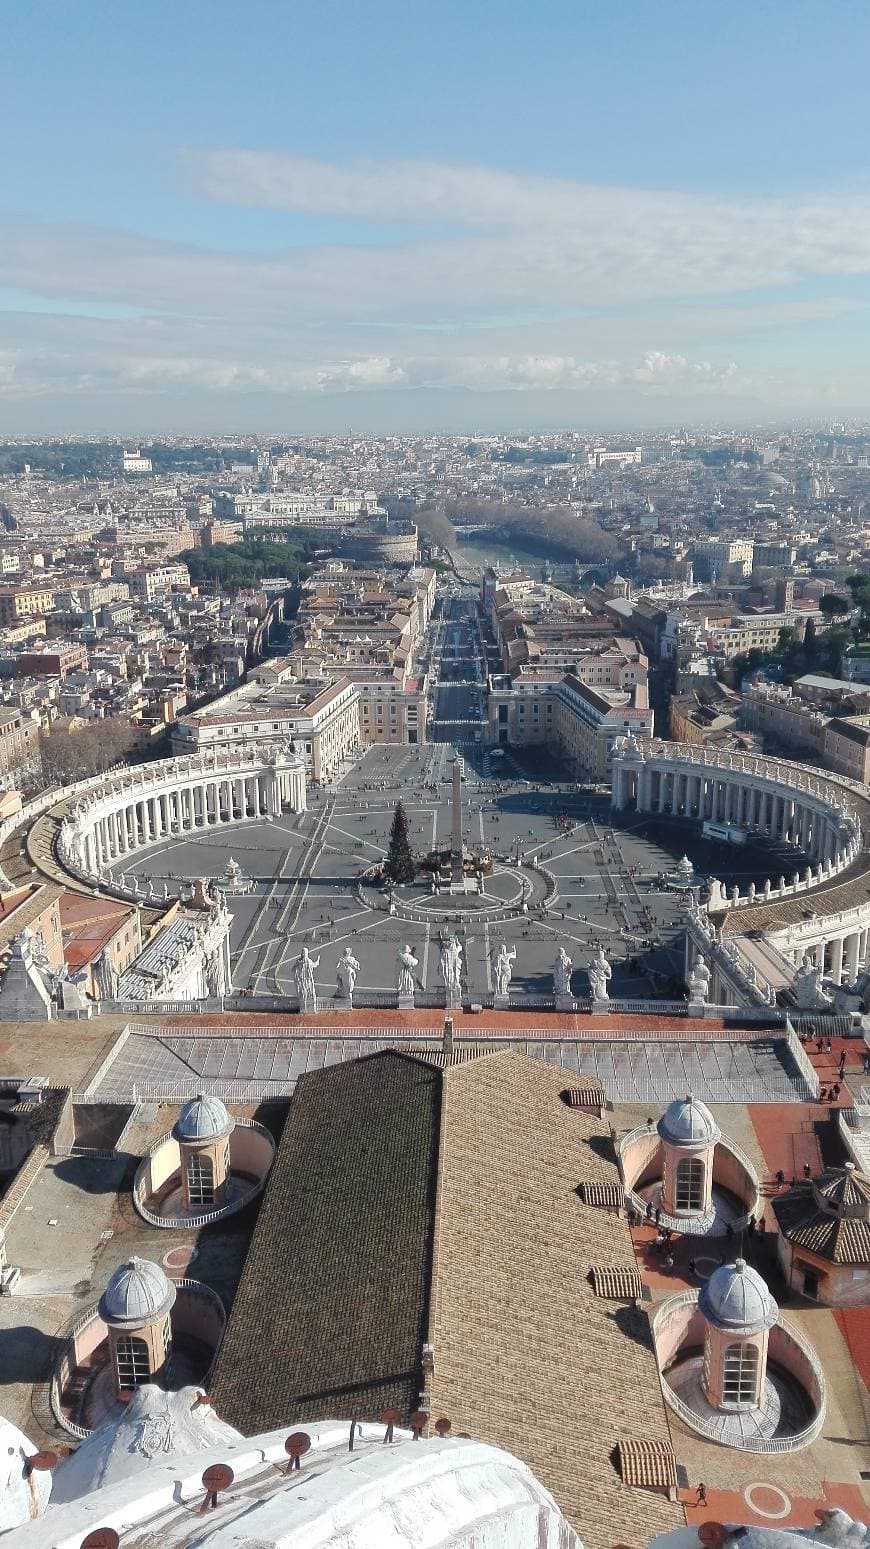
686	1122
685	867
203	1118
737	1300
138	1293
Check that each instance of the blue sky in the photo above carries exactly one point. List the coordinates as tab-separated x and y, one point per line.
389	215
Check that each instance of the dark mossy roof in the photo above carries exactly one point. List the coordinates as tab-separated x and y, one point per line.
331	1313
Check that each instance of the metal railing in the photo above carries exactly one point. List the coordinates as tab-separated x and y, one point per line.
801	1059
208	1217
709	1428
92	1315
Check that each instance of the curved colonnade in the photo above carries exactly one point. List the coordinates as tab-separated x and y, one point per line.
174	797
824	817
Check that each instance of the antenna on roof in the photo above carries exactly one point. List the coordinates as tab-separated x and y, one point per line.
296	1447
219	1476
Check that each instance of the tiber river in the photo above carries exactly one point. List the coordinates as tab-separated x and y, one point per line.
486	552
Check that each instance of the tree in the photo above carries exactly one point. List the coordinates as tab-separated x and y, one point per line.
833	606
859	586
400	865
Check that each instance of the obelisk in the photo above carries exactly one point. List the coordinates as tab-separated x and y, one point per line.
456	842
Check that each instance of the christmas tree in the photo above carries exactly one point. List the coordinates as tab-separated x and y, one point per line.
400	862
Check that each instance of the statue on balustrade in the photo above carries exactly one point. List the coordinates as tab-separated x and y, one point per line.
451	963
406	964
806	987
562	970
600	974
503	970
699	982
303	973
346	971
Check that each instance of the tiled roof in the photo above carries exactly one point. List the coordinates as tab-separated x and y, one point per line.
330	1315
589	1094
616	1282
611	1195
844	1188
525	1354
651	1465
842	1239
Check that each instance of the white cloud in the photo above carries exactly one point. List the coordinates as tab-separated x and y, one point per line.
512	282
158	373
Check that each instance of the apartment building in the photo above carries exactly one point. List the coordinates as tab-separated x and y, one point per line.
148	583
578	721
19	742
97	928
34	907
321	720
840	743
56	661
602	456
19	602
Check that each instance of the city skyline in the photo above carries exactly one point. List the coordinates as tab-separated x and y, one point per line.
388	222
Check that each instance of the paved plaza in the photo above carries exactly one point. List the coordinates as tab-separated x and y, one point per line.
304	870
587	879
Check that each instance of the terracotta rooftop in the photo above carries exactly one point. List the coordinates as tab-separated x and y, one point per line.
616	1282
651	1465
88	923
813	1215
525	1354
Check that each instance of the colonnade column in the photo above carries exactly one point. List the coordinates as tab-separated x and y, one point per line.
837	960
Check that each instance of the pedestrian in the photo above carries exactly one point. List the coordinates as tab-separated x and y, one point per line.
807	1170
819	1046
842	1061
828	1046
702	1495
780	1177
835	1091
692	1269
658	1214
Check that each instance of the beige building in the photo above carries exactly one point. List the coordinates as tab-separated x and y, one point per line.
96	928
35	908
579	722
320	719
18	602
841	743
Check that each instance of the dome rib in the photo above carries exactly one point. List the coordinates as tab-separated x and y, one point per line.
736	1300
138	1293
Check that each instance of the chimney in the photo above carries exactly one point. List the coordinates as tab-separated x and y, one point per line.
447	1040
